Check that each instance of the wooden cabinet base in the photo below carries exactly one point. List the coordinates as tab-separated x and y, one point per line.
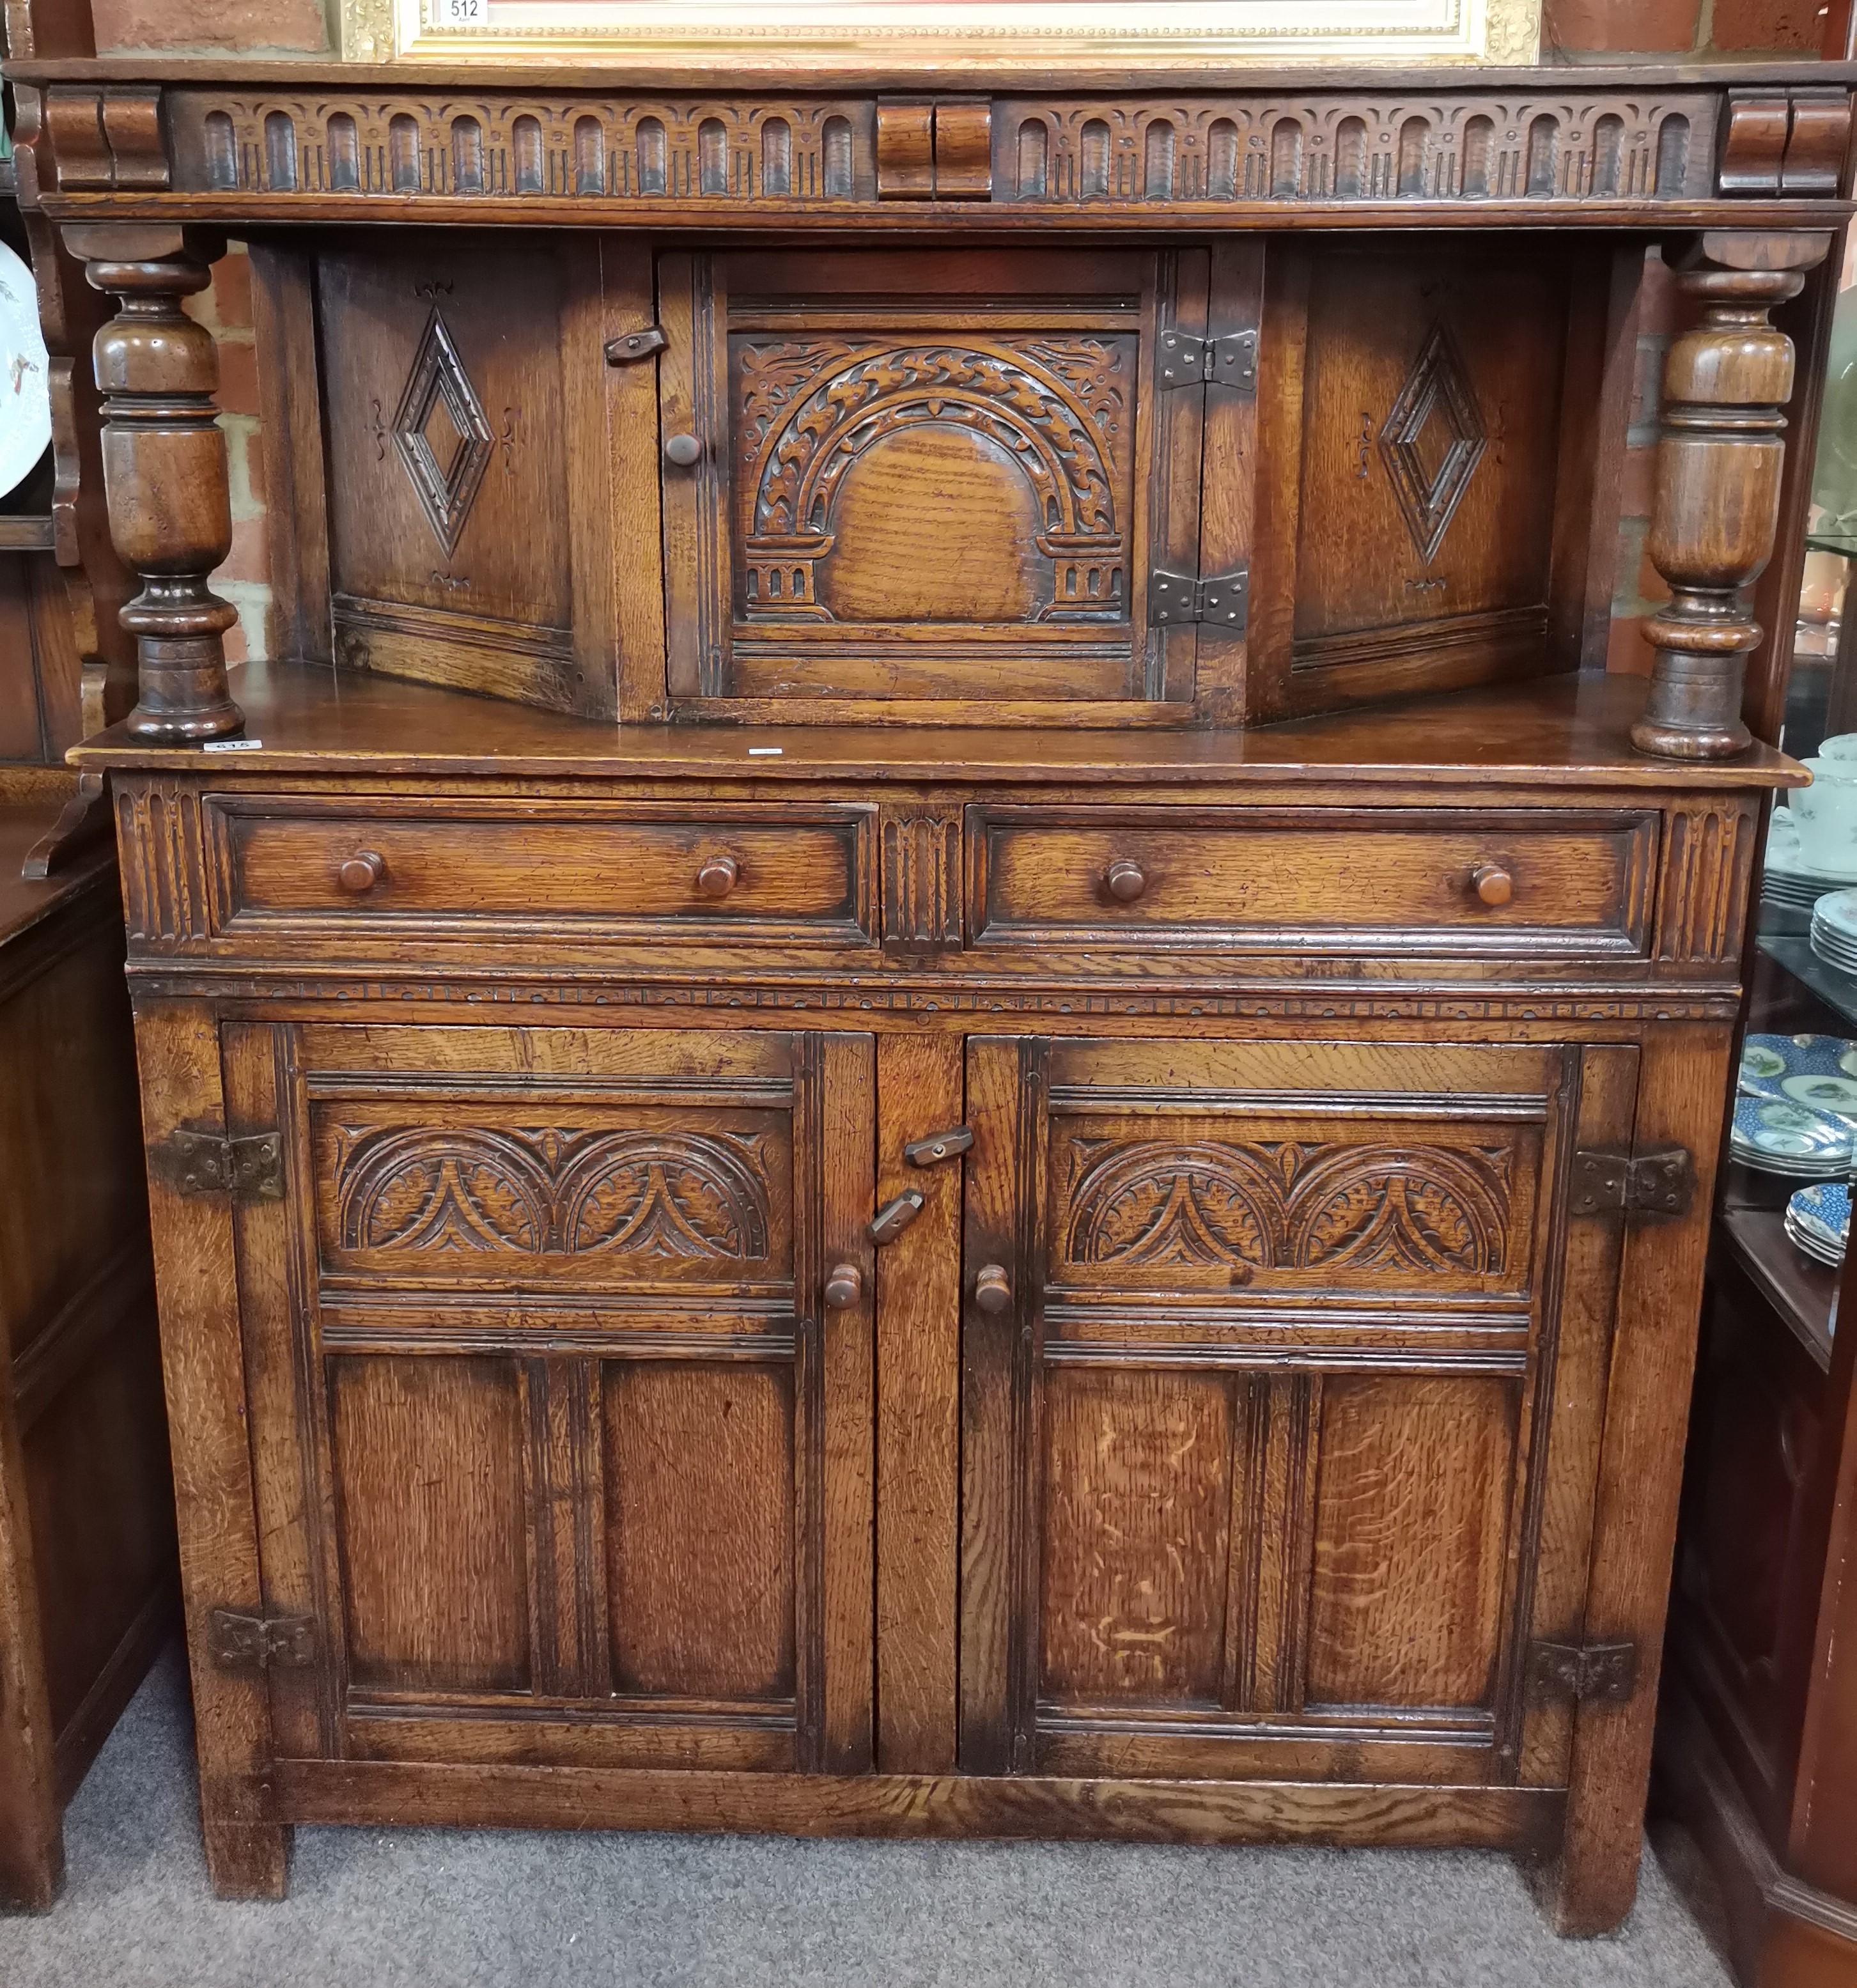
87	1585
1784	1933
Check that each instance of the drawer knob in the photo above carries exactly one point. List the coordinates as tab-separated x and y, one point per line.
992	1289
360	873
1492	884
718	877
683	450
1125	880
843	1285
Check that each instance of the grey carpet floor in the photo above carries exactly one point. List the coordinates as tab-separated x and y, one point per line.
443	1909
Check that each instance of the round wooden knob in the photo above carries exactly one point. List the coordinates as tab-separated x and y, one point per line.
1492	884
1125	881
683	450
718	876
844	1287
360	873
992	1289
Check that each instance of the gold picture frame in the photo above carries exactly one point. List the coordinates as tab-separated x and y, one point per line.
941	38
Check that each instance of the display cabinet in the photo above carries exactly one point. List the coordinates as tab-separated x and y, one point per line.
1758	1736
937	1061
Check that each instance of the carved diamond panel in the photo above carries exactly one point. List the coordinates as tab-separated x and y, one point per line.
1432	440
442	435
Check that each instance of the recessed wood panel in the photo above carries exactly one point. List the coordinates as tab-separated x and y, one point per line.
466	466
1411	1522
430	1496
700	1527
1424	527
1137	1516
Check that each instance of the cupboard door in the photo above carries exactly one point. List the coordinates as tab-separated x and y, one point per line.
1265	1346
472	541
562	1453
930	479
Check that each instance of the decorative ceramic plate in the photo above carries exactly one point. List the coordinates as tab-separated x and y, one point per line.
1838	913
1824	1210
1778	1129
25	403
1808	1243
1817	1071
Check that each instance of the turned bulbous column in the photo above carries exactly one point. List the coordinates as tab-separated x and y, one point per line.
1717	502
165	472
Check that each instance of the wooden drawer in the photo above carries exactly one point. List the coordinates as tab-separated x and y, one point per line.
1401	881
766	872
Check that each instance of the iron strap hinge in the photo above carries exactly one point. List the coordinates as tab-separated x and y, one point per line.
194	1161
262	1642
1658	1184
1175	598
1185	361
1602	1673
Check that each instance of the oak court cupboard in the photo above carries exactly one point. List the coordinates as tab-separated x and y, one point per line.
940	1063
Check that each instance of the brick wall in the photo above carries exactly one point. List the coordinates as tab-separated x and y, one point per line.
1589	28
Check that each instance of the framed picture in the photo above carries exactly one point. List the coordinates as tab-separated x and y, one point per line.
816	37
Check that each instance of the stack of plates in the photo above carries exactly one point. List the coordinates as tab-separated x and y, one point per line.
1835	929
1817	1071
1776	1137
1787	881
1819	1222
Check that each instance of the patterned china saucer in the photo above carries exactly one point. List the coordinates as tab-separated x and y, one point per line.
1777	1136
1824	1211
1817	1071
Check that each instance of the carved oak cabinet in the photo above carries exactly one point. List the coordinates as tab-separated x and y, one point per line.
940	1063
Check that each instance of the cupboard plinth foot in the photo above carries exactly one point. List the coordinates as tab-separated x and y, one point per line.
248	1860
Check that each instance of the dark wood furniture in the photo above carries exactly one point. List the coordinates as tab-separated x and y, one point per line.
854	1199
1757	1730
88	1586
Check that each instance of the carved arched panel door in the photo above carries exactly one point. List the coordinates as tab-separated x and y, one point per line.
957	485
561	1407
1260	1341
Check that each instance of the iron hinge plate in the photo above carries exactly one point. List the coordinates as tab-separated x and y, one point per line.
1600	1673
192	1161
630	346
262	1642
1658	1184
1176	599
1184	359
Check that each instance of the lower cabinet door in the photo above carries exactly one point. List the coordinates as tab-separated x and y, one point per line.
1283	1367
558	1351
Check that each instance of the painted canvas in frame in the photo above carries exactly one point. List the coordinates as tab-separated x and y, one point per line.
940	36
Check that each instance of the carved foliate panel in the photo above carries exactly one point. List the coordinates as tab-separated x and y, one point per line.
921	499
1270	1203
633	1193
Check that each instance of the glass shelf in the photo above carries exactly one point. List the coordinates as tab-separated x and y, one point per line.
1793	951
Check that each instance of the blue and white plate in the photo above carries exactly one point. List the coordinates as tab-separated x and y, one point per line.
1824	1209
1817	1071
1808	1243
1778	1136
